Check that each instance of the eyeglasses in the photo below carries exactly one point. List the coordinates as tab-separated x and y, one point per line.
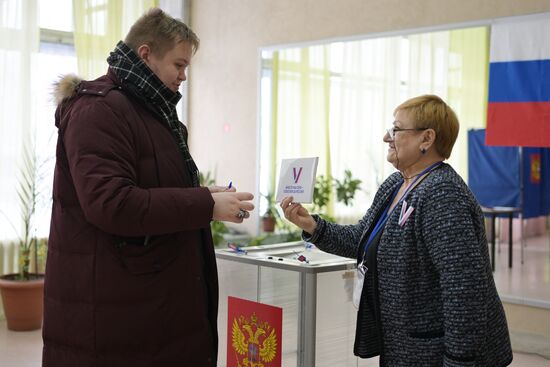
392	130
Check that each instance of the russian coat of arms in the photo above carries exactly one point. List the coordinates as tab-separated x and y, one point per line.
254	342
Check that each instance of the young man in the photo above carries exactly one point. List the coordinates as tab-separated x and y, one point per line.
131	274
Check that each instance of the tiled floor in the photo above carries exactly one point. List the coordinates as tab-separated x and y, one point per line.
528	283
524	284
23	349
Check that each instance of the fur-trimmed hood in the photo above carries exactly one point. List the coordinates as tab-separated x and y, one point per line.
65	88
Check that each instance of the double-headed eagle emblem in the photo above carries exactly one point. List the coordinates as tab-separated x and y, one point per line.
258	346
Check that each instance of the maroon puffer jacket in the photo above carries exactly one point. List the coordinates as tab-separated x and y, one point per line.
110	299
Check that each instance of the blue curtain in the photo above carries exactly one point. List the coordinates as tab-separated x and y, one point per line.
494	176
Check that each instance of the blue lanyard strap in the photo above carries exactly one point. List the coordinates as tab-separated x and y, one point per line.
385	215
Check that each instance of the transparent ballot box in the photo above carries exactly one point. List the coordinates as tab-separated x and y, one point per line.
313	288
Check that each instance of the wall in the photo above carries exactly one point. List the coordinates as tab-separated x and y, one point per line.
224	73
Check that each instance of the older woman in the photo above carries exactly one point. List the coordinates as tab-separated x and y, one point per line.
425	290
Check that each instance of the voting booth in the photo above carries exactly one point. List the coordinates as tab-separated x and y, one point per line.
509	176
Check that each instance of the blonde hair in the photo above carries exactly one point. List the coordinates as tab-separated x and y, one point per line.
160	32
430	111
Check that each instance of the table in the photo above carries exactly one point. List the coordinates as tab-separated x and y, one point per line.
493	212
283	256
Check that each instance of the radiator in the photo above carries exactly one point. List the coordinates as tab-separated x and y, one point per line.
9	259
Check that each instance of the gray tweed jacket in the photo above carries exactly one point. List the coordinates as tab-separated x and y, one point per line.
433	286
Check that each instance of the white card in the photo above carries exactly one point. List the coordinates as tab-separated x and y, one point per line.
297	179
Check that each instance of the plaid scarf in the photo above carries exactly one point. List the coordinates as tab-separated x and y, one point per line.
142	83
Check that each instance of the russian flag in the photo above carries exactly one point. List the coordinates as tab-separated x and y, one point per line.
519	84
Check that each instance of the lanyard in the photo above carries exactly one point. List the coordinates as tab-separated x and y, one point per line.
385	215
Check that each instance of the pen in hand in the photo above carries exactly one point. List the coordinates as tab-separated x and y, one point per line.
229	186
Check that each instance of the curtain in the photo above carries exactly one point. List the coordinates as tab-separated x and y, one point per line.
468	87
335	101
300	112
98	26
19	39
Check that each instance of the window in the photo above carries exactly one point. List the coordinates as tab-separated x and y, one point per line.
336	100
35	49
56	15
56	57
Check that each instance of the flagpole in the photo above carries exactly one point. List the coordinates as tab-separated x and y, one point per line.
521	201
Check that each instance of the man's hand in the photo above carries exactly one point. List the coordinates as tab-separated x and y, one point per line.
215	188
232	206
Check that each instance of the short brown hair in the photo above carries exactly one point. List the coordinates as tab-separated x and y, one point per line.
160	32
430	111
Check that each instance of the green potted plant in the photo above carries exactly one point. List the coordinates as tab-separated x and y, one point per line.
270	216
218	228
321	196
22	292
345	190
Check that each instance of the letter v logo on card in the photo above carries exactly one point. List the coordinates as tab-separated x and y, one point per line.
296	175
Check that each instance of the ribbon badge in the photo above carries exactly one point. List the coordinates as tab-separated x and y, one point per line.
405	213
